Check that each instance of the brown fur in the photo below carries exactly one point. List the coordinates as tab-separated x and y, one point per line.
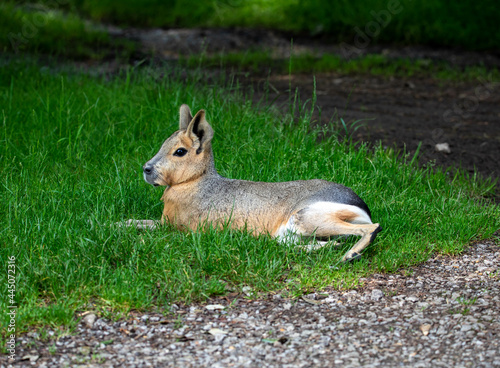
346	216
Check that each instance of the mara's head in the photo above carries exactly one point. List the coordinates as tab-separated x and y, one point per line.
186	155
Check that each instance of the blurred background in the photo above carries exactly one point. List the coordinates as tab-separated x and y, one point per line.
465	24
413	75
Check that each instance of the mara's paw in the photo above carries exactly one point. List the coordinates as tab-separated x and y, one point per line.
350	257
375	232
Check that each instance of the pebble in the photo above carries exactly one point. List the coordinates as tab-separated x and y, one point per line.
377	294
89	320
443	147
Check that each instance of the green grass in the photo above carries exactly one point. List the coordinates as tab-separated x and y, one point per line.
374	64
468	24
72	147
38	29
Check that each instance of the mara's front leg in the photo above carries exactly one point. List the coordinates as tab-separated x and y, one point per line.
140	224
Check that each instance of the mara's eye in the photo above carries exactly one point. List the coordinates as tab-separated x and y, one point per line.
180	152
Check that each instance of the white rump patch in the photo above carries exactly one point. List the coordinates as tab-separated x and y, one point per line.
288	233
332	207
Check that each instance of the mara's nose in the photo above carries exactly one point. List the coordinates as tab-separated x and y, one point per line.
148	169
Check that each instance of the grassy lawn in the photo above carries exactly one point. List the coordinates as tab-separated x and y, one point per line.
72	150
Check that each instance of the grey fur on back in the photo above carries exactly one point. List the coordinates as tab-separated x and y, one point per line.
227	194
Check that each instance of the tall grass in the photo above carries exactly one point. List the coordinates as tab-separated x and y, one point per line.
72	149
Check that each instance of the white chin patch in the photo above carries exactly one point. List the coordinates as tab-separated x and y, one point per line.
148	180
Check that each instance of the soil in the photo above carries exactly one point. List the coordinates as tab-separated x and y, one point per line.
404	113
398	112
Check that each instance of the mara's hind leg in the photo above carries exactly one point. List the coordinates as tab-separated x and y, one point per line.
369	234
329	219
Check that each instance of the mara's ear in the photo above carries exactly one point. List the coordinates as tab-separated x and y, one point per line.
185	117
199	129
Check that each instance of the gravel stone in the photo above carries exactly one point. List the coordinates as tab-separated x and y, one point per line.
89	320
377	294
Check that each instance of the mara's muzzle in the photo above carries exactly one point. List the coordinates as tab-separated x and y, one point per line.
150	174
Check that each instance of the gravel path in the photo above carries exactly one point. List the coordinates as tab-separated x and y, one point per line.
444	313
